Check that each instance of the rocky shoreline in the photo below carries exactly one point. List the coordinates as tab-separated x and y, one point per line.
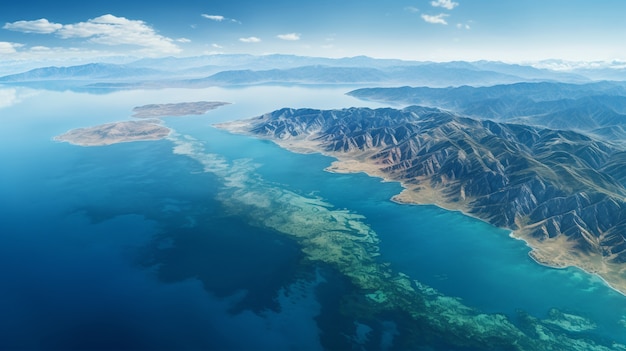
485	169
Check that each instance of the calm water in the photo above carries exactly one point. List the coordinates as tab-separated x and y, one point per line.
129	247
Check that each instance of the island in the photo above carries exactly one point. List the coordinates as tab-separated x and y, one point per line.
560	191
116	132
149	128
176	109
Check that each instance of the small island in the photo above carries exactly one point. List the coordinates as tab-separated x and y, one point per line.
177	109
149	128
116	132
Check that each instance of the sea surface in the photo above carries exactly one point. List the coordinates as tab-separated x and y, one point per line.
139	246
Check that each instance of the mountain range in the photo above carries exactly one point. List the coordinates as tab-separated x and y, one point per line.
561	191
89	72
598	108
232	70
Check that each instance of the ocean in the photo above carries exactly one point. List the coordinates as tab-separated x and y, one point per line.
203	240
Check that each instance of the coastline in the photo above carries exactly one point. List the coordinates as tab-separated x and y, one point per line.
115	133
148	125
75	143
408	196
427	195
176	109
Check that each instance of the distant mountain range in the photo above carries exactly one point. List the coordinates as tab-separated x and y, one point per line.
440	75
561	191
424	74
88	72
595	108
229	70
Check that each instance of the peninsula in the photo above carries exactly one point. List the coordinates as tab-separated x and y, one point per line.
560	191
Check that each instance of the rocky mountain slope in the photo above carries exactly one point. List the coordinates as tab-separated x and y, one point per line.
561	191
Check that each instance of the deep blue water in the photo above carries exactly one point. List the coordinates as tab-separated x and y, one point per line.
127	246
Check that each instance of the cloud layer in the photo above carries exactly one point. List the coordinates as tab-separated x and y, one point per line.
106	30
41	26
8	48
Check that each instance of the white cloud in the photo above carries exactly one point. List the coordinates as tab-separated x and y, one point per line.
463	26
289	36
106	30
411	9
8	47
438	19
216	18
41	26
112	30
40	48
250	40
183	40
446	4
219	18
217	46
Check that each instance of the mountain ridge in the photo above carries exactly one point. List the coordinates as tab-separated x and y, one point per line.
86	71
228	70
594	108
560	191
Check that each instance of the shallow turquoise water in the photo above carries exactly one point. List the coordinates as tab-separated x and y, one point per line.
129	246
458	255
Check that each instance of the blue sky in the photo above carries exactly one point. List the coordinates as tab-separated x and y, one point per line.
437	30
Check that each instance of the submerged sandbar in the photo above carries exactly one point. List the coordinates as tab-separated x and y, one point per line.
116	132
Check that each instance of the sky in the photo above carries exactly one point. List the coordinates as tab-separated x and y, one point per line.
424	30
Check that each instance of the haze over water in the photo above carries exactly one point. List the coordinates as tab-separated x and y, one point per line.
128	246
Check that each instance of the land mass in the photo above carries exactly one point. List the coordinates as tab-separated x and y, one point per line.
147	129
562	192
176	109
116	132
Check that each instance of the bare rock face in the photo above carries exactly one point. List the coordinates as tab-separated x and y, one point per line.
547	182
